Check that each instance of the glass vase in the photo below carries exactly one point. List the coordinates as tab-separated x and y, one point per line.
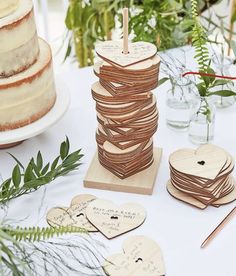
222	65
178	104
202	120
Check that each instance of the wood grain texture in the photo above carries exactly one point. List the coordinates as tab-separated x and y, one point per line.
126	108
141	183
141	257
73	215
111	51
202	177
113	221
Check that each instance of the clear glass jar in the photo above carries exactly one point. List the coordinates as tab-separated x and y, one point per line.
202	120
222	66
178	104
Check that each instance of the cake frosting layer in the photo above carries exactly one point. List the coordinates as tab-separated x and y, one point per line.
17	39
29	95
7	7
10	63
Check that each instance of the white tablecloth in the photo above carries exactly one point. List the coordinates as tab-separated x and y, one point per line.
178	228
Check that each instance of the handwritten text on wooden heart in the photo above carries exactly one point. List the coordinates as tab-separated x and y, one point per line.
73	215
112	220
111	51
141	257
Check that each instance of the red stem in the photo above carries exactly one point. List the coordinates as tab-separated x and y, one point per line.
209	75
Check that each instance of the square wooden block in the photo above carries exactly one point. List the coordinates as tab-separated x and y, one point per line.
141	183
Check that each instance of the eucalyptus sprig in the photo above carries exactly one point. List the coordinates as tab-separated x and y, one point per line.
37	173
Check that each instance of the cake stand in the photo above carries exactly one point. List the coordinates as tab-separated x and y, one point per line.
14	137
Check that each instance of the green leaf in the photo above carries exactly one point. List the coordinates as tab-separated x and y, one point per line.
222	82
161	81
5	187
39	161
68	51
17	161
35	168
29	175
45	169
211	71
33	178
54	163
64	150
68	20
223	93
201	89
16	176
72	158
233	17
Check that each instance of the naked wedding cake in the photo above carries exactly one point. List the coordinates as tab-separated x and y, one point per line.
27	90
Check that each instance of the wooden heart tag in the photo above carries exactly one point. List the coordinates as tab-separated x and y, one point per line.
73	215
111	51
112	220
202	177
141	257
207	161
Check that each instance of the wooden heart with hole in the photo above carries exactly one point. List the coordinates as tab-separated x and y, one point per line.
111	51
207	161
73	215
112	220
141	257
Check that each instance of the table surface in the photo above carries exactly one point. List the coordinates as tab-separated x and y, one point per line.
178	228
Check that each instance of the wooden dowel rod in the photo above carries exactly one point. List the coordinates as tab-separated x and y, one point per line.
125	30
219	228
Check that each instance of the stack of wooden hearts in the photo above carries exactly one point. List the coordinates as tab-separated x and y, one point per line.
126	108
202	177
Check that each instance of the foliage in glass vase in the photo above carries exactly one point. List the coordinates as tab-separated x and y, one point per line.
37	173
208	84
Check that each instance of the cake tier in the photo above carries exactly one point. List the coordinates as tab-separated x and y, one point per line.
29	95
18	40
7	7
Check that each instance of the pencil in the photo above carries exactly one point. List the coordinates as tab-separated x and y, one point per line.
219	227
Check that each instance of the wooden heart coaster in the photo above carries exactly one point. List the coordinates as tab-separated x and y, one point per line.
112	220
207	161
141	257
138	68
111	51
196	203
202	177
73	215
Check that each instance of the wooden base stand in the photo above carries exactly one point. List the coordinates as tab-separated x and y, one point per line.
141	183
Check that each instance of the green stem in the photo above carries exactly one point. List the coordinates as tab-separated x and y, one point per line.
79	48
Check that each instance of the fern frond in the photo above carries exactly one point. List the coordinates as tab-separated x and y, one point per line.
199	40
37	233
194	8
